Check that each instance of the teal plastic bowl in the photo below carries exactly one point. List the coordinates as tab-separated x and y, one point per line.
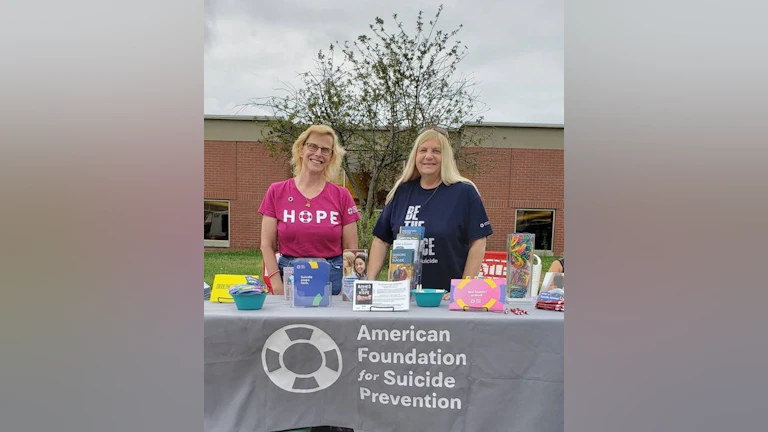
249	301
429	297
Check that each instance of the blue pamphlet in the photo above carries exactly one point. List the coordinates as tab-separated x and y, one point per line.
310	281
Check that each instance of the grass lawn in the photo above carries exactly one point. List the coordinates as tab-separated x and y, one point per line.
249	263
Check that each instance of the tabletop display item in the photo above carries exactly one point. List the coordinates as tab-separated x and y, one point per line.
414	233
478	294
552	296
536	278
552	280
288	284
355	263
405	258
222	282
348	287
311	286
249	296
428	297
401	265
381	296
354	267
519	266
494	265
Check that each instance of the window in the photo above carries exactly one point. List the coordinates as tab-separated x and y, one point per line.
216	223
541	223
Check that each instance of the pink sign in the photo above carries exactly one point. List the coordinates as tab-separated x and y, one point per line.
488	294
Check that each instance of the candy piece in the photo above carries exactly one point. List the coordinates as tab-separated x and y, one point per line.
516	311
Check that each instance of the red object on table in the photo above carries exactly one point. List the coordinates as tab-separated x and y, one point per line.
494	264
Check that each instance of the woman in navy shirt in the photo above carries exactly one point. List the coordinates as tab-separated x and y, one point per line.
432	193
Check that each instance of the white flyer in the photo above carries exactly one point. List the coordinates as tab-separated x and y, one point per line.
381	296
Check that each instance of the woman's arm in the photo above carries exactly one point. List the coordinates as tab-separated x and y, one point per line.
268	249
349	236
475	257
555	267
376	258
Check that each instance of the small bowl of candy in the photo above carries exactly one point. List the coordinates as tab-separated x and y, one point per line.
248	297
428	297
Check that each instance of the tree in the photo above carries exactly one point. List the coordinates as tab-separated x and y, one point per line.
377	93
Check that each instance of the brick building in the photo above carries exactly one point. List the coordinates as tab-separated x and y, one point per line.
521	182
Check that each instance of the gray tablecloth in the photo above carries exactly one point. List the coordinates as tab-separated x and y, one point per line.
428	369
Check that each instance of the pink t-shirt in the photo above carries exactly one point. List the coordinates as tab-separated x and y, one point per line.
313	231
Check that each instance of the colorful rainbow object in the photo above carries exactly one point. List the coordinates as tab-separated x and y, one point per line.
519	264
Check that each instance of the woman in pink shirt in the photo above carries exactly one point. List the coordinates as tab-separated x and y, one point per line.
308	216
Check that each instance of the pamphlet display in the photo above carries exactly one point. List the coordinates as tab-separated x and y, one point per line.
405	256
413	233
478	294
355	267
381	295
311	286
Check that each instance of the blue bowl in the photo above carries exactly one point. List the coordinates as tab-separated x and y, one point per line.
249	301
429	297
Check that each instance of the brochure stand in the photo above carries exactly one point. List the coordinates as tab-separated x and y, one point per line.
311	286
381	309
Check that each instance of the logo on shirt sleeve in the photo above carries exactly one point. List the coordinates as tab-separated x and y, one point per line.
352	209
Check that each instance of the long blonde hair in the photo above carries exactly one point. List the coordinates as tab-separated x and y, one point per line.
449	172
334	166
349	258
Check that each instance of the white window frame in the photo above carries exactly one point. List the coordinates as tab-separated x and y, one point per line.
542	252
220	243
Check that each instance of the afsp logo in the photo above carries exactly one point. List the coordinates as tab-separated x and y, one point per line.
273	359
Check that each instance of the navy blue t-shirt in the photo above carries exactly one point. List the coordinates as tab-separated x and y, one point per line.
453	217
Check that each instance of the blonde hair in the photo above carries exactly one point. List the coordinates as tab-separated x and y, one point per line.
349	257
334	166
449	172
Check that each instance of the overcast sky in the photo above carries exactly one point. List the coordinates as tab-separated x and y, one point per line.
515	48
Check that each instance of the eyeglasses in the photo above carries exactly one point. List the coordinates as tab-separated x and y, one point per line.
326	151
434	128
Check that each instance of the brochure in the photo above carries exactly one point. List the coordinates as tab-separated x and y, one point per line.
381	295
